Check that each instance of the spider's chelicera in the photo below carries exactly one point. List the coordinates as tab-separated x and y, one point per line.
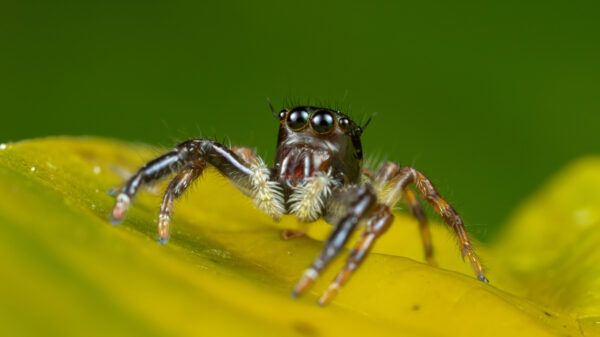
317	173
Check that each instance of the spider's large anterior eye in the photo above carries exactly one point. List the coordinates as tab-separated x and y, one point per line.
322	121
296	120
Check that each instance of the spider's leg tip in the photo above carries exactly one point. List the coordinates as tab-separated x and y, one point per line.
112	192
324	300
115	221
298	290
305	282
117	216
329	294
120	209
483	279
162	241
431	261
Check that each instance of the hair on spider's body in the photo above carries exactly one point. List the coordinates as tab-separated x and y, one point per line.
318	172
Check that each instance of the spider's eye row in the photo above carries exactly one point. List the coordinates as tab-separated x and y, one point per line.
296	120
322	121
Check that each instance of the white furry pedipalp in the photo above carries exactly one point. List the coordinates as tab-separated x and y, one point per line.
308	201
267	195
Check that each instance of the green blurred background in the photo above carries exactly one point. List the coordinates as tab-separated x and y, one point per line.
487	99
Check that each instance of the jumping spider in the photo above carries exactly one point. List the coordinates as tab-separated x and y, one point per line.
318	173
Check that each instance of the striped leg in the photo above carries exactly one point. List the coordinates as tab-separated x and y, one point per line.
377	225
382	183
407	176
248	173
153	171
358	210
175	190
417	211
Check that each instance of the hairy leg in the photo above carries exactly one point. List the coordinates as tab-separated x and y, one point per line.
308	201
252	159
175	190
252	178
266	193
379	223
358	210
417	211
382	185
151	172
407	176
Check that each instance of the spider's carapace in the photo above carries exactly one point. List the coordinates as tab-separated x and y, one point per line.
317	173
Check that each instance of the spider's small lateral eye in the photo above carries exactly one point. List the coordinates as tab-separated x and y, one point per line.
344	123
296	120
322	121
281	114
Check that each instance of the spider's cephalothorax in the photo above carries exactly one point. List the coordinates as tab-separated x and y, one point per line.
313	140
317	173
318	150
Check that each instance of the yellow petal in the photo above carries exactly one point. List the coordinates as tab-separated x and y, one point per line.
550	251
225	271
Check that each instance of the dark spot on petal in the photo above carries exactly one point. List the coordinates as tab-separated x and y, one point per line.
416	307
548	314
304	328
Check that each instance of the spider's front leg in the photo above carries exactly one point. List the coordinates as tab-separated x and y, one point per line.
407	176
358	210
189	159
378	224
365	207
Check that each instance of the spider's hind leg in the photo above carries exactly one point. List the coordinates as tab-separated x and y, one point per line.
416	209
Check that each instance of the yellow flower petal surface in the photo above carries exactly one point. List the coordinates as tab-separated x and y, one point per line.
227	272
